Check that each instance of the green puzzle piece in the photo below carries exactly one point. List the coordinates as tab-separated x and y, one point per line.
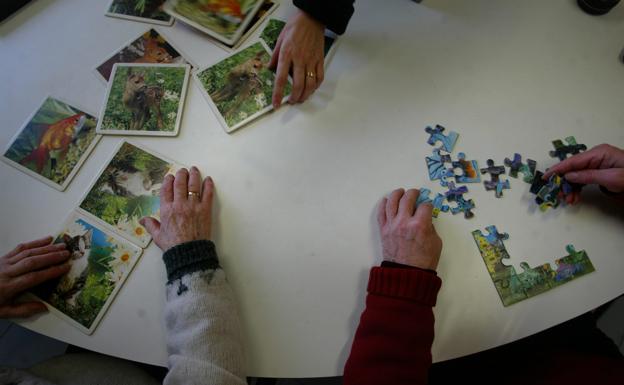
513	287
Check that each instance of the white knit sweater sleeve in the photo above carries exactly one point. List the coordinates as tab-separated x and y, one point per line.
204	338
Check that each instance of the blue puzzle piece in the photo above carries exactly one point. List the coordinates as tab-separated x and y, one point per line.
448	141
435	164
469	173
423	197
438	205
494	236
464	206
516	165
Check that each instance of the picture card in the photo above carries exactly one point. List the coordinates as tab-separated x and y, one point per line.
151	47
274	27
128	189
224	20
147	11
53	143
100	263
239	88
144	99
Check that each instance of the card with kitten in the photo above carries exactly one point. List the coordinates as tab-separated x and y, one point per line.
100	263
126	190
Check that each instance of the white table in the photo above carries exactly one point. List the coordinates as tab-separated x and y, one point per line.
297	190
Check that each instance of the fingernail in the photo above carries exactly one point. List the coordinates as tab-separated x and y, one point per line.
194	168
210	179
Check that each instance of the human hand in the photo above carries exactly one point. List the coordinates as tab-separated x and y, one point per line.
300	46
25	267
185	210
407	233
602	165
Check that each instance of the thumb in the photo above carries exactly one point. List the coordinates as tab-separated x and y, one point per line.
151	225
610	178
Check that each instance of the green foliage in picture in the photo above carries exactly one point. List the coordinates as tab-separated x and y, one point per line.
241	85
271	32
53	141
127	190
160	90
150	9
223	17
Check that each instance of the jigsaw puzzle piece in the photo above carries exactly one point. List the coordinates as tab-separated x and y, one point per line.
468	169
423	197
439	206
572	266
495	183
537	280
498	187
562	150
463	206
435	164
516	165
448	141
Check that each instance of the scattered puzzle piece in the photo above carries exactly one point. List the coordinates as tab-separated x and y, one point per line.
561	150
468	169
423	197
456	194
513	287
549	194
495	183
435	164
516	165
438	205
448	141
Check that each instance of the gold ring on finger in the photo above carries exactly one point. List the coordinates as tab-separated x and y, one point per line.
311	74
193	194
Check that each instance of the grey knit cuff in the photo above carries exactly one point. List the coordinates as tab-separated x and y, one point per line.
189	257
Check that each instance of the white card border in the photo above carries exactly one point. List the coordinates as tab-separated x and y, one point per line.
175	132
81	160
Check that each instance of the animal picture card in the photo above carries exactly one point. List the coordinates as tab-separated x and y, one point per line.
239	88
144	99
100	263
151	47
128	189
274	27
53	143
147	11
225	20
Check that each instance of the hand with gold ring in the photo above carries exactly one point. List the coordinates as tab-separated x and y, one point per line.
185	210
300	48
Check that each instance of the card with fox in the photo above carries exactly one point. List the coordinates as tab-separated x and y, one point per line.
152	46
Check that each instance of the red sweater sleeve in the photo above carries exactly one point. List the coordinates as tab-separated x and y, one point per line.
392	344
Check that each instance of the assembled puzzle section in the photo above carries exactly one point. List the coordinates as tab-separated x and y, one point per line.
513	287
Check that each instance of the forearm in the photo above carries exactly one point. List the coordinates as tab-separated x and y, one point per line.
334	14
204	338
393	341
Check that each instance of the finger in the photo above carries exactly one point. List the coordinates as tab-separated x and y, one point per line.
37	251
381	212
298	83
152	226
166	191
32	279
586	160
611	178
276	52
320	72
38	262
281	78
207	193
180	185
392	203
407	203
22	310
194	183
310	83
29	245
424	213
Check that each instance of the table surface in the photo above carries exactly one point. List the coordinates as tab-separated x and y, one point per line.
297	190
